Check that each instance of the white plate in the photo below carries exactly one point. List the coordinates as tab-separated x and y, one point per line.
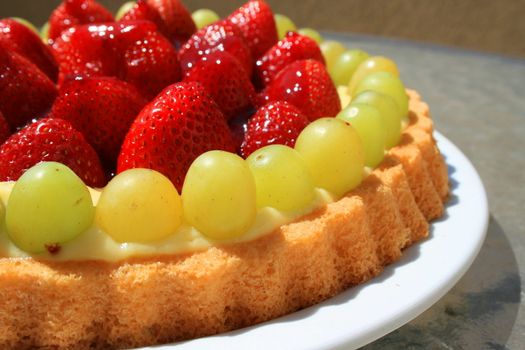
404	290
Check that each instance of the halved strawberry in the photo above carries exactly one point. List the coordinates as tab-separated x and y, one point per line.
256	22
74	12
25	91
292	47
219	36
275	123
181	123
5	131
131	51
171	17
226	81
307	85
22	40
102	109
50	139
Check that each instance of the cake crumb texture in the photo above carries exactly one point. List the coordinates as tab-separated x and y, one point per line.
99	305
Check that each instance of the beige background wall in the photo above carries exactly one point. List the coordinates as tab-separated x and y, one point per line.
486	25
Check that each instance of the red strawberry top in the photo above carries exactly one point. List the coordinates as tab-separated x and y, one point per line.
180	124
102	109
74	12
24	41
4	129
292	47
171	17
307	85
131	51
257	24
226	81
275	123
25	91
50	139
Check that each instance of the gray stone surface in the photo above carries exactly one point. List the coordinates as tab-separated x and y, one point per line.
478	102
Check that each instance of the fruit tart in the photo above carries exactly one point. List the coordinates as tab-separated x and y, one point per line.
168	175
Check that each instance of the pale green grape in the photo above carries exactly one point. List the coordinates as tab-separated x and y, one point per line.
48	206
333	152
345	66
44	32
331	51
312	34
284	25
389	111
26	23
124	9
218	195
204	17
371	65
368	123
282	178
139	205
387	84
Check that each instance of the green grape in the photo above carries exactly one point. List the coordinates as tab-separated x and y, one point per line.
2	212
124	9
331	51
26	23
345	66
139	205
282	178
371	65
218	195
312	34
387	84
48	206
44	32
368	123
333	152
204	17
284	25
389	111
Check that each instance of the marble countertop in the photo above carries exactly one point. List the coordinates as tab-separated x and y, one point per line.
478	102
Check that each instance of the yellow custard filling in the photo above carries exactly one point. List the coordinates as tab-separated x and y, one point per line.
94	244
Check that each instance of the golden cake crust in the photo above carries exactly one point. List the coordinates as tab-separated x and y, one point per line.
90	304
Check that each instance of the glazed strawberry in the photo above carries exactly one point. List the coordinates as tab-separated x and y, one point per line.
50	139
292	48
307	85
4	129
102	109
75	12
171	17
22	40
275	123
25	91
181	123
131	51
226	81
219	36
256	22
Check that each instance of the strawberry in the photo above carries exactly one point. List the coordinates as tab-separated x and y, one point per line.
256	22
50	139
4	129
219	36
307	85
292	47
25	91
102	109
171	17
75	12
24	41
181	123
226	81
275	123
131	51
